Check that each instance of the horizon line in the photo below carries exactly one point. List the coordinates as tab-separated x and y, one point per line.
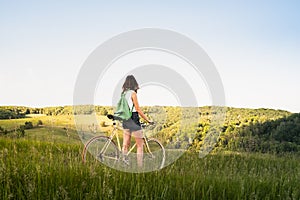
226	106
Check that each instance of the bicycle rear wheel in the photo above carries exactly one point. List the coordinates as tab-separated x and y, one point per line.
154	154
101	148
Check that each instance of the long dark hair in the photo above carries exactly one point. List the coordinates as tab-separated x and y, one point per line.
130	84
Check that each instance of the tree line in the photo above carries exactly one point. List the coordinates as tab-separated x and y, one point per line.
260	130
16	112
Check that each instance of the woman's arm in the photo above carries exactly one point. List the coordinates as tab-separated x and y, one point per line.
137	107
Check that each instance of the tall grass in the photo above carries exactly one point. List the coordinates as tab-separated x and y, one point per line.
48	170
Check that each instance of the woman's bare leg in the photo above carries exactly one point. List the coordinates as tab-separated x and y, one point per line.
126	141
139	146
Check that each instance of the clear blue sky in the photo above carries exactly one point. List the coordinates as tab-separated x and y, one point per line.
255	45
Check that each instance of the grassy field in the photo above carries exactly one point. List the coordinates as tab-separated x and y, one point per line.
46	164
48	170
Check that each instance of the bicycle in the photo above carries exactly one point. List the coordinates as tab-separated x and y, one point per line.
105	149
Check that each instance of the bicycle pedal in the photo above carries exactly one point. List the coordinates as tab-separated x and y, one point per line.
151	155
126	161
100	157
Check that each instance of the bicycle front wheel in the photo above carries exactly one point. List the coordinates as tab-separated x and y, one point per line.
101	148
154	154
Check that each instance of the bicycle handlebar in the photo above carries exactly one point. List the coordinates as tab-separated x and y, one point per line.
113	117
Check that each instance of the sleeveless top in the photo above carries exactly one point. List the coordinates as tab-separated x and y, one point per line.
129	100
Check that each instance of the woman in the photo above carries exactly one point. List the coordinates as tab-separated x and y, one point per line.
133	125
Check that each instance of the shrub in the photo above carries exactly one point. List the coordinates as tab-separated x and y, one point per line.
28	125
39	123
21	131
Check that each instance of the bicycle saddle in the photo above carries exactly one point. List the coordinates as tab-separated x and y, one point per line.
112	117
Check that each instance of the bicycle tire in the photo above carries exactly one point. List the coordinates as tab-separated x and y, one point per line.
154	154
102	148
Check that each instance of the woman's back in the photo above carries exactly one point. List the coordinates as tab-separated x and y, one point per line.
129	100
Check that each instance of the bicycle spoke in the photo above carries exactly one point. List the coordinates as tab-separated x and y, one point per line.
154	154
101	148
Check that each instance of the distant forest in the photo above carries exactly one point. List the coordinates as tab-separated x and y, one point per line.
15	112
251	130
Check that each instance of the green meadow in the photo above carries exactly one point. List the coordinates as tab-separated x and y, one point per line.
48	170
45	163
